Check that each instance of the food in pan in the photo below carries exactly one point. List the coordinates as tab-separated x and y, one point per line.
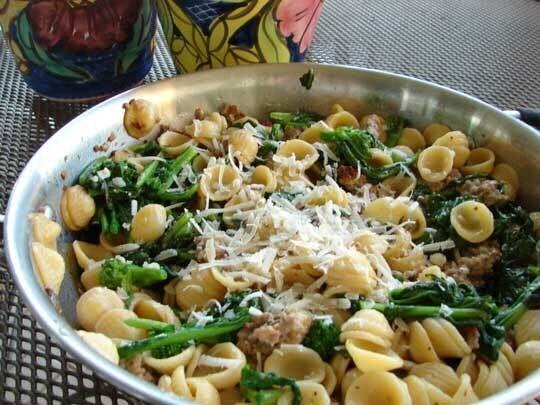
302	259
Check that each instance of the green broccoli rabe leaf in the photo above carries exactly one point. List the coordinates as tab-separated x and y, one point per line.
323	337
300	119
514	229
353	146
441	291
266	388
180	233
148	148
116	273
509	283
220	330
99	184
394	127
268	148
306	80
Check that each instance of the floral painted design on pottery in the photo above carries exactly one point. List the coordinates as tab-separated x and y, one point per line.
80	49
207	34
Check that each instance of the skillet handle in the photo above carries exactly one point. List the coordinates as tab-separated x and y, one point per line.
531	116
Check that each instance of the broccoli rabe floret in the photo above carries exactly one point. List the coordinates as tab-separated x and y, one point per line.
323	337
266	388
117	273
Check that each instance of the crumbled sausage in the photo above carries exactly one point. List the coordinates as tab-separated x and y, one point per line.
438	186
135	366
488	191
375	125
290	132
475	264
232	112
268	331
349	179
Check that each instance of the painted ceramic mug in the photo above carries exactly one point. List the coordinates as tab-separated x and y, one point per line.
80	49
205	34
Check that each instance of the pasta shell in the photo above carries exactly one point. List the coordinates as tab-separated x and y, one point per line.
296	362
44	230
94	303
112	324
77	207
49	265
473	221
378	387
102	344
149	223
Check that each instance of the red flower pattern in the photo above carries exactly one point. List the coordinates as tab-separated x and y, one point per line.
299	18
87	27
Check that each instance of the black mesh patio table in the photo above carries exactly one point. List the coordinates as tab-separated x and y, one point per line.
489	49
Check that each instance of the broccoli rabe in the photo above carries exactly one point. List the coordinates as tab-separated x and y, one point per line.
353	146
266	388
462	306
180	233
117	273
300	119
217	331
323	337
394	127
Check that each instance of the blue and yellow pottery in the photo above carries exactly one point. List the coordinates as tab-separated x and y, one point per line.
80	49
204	34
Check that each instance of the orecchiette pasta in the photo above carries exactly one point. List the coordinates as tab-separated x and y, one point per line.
373	387
297	362
313	133
173	143
368	339
438	374
149	223
481	160
111	324
528	327
244	146
527	358
150	309
352	273
220	182
379	158
77	207
401	185
264	176
488	379
433	132
102	344
473	221
412	138
303	155
458	142
327	193
509	177
44	230
221	365
198	389
341	118
435	338
140	117
435	163
49	265
197	290
94	303
424	393
89	253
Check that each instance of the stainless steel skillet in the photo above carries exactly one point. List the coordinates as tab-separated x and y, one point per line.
257	89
